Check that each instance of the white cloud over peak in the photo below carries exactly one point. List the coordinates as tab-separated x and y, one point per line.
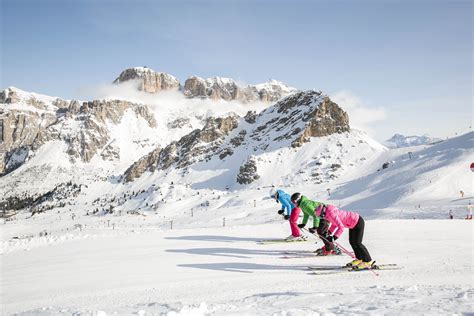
360	114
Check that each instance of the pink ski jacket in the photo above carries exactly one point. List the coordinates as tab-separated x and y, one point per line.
339	219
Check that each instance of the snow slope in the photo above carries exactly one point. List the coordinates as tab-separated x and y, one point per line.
430	175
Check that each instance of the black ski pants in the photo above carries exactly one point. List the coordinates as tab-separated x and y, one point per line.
355	239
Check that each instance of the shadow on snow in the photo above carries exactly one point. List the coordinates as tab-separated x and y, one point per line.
242	267
215	238
228	252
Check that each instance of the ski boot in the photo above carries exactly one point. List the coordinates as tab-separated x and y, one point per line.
353	263
323	252
364	265
320	251
294	238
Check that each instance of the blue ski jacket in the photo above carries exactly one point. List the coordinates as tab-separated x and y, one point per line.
285	200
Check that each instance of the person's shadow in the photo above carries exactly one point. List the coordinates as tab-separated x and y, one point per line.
227	252
242	267
215	238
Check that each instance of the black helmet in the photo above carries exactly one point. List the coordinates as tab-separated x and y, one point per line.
295	198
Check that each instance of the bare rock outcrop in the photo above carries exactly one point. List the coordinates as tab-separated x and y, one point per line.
150	81
148	162
217	88
179	123
328	118
21	133
199	145
8	96
299	117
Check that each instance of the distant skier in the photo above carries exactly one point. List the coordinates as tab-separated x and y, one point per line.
451	216
320	226
339	220
469	213
289	212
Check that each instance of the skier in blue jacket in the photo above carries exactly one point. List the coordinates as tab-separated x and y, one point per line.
291	213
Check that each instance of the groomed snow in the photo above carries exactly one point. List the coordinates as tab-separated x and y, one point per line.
216	271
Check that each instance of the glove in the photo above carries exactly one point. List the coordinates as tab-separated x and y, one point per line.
301	225
287	217
312	230
331	238
280	212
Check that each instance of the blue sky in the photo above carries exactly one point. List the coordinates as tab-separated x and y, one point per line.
406	59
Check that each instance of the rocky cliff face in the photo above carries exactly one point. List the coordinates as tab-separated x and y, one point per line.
148	162
227	89
299	117
150	81
9	96
197	146
215	88
26	125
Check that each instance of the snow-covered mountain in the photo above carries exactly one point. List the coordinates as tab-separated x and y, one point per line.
103	152
398	141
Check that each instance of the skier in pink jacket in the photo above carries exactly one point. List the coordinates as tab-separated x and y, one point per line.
339	220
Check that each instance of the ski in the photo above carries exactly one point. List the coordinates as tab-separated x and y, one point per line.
348	268
385	266
276	241
337	271
302	256
299	252
310	254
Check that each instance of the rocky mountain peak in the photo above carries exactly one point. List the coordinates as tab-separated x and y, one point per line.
216	88
298	117
150	81
9	95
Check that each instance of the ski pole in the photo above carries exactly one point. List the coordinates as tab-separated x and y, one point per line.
309	233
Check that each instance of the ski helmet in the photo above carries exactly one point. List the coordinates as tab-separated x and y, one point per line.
274	193
296	198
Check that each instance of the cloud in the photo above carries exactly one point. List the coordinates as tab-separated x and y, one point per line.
360	114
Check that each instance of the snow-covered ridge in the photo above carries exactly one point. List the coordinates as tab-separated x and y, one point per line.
399	141
13	98
273	84
406	177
